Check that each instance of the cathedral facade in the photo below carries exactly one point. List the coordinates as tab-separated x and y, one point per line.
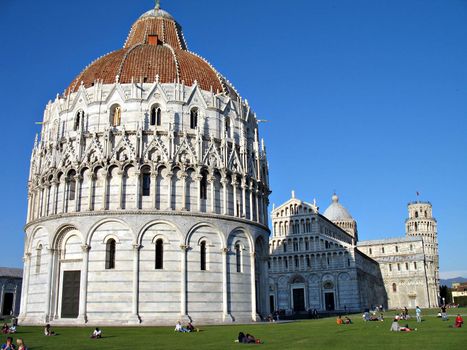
317	262
148	193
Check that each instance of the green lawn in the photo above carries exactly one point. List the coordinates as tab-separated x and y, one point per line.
320	334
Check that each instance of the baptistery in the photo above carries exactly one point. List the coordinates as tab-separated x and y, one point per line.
148	192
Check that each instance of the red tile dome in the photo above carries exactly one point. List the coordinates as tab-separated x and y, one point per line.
155	47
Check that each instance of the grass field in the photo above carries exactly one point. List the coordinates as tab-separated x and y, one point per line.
432	333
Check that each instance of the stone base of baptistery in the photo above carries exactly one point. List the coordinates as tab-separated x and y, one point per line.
231	288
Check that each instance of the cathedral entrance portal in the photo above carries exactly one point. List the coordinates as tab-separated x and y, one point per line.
298	295
329	300
70	294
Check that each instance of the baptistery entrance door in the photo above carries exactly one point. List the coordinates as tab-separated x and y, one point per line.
7	303
70	294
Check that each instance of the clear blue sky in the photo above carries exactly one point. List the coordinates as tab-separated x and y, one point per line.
367	98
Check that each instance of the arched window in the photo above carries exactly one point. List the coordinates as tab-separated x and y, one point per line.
110	254
416	226
203	256
238	258
146	182
194	118
155	115
38	259
115	115
77	122
71	185
159	254
382	250
397	249
394	287
371	252
416	214
203	186
284	247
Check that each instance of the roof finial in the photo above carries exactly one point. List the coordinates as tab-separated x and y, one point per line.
293	194
158	5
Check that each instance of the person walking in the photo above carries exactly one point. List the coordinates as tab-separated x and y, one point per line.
418	313
444	315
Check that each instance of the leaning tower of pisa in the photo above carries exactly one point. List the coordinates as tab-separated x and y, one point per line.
422	224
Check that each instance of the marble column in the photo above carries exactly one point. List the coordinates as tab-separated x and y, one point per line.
56	185
224	199
183	281
257	206
137	189
234	189
83	290
105	180
121	175
78	179
183	177
91	178
251	216
154	189
198	191
25	286
225	297
253	286
48	287
169	190
243	214
212	198
135	302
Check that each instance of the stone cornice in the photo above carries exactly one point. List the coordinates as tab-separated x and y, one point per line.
107	213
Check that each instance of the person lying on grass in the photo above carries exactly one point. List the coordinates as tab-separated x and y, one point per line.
247	339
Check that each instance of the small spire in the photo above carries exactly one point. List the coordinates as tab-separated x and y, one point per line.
293	194
158	5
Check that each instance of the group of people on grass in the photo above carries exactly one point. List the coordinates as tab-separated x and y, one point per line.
346	320
187	329
8	329
10	345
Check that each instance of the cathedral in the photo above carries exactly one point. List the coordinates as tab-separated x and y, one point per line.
148	192
317	262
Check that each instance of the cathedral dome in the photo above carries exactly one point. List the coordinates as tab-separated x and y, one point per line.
336	211
155	49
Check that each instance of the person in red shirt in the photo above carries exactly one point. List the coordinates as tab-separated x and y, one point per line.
459	321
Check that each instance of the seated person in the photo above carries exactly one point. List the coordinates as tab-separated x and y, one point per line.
347	320
48	330
395	326
20	344
179	328
97	333
8	345
459	321
339	320
191	328
12	329
5	328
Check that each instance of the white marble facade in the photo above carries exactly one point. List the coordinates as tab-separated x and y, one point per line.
147	222
314	264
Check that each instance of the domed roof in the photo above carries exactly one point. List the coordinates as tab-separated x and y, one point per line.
155	49
336	212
